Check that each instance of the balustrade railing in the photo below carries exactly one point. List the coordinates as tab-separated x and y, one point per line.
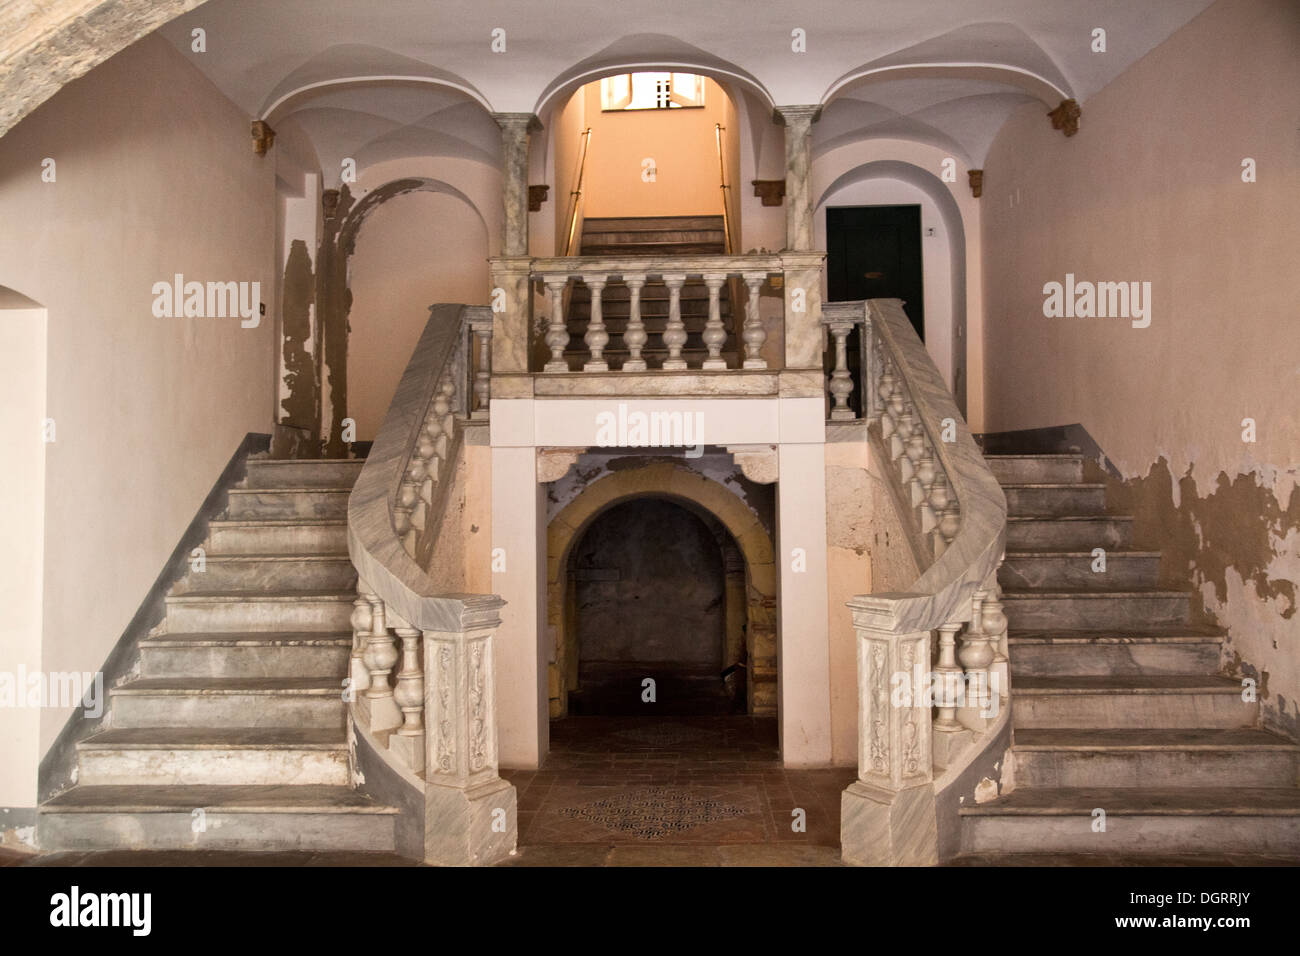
421	672
600	273
920	710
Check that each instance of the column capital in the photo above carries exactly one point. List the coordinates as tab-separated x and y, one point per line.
524	122
789	115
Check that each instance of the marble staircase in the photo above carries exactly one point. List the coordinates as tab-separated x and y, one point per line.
1118	703
233	733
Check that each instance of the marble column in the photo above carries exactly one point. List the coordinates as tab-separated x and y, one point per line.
887	815
798	122
510	294
470	812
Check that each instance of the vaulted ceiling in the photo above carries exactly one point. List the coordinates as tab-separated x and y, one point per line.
401	77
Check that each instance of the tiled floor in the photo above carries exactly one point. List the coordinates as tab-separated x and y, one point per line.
618	783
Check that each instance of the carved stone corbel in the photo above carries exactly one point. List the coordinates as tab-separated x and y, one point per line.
536	196
976	182
1066	117
758	463
263	137
771	191
554	463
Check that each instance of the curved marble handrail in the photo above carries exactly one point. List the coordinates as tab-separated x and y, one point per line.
944	591
376	548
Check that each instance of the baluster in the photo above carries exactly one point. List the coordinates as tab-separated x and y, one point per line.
940	498
408	694
715	335
995	626
361	624
841	384
596	338
379	658
675	334
885	391
557	333
634	338
976	655
949	673
483	371
754	334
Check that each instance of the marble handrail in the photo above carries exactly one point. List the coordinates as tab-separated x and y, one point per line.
919	713
374	543
943	592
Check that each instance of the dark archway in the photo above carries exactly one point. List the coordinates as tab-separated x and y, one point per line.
658	595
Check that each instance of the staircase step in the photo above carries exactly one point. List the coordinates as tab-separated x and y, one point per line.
1040	609
270	572
311	702
1130	650
1074	570
321	654
1120	701
302	473
259	611
650	223
1068	532
175	756
1147	820
278	536
1034	468
1073	498
245	503
1153	758
231	818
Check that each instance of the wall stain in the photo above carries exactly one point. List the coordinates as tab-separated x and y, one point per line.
1238	525
301	404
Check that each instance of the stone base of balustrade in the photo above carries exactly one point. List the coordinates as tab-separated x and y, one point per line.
378	714
948	744
410	748
475	826
888	827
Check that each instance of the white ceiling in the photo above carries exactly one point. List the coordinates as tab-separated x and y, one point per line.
946	72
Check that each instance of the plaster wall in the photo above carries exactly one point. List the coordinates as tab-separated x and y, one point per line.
22	516
154	176
413	251
1151	190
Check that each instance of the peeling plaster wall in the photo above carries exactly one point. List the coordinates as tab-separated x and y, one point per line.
155	176
413	251
1151	190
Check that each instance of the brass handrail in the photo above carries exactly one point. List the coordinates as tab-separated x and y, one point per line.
726	202
577	192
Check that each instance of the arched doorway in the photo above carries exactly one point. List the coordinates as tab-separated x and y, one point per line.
658	613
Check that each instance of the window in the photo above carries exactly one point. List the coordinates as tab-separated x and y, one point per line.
651	91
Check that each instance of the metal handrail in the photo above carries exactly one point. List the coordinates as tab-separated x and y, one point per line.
726	200
577	192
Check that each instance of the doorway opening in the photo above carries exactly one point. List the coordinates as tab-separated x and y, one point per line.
658	614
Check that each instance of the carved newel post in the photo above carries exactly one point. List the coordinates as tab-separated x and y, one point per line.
887	815
840	318
470	812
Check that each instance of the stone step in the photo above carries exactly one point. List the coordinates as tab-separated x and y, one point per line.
1153	758
217	818
653	314
270	572
1068	532
1073	498
641	224
1035	468
322	654
1074	570
1137	821
1040	609
259	611
1129	650
302	473
1120	701
666	247
193	756
310	702
245	503
278	536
